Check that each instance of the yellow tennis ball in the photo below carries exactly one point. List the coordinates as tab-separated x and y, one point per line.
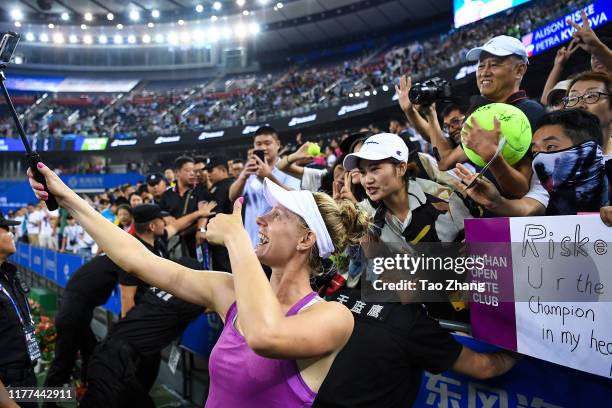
314	149
514	126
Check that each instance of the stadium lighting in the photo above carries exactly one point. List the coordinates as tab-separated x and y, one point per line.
44	37
180	22
17	23
240	3
65	16
102	39
263	2
199	8
73	39
30	37
88	16
173	38
279	5
217	5
357	94
119	26
83	26
150	25
134	15
58	38
385	88
226	33
159	38
240	31
213	18
212	34
51	25
87	39
118	39
110	16
17	14
254	28
198	36
146	39
131	39
351	95
185	37
155	13
367	93
18	60
245	13
374	92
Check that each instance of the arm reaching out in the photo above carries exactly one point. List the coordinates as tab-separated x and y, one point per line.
287	164
483	365
486	194
211	289
588	41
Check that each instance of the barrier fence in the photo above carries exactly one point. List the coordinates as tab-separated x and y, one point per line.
532	383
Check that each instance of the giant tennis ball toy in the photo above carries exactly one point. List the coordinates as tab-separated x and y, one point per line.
514	126
314	149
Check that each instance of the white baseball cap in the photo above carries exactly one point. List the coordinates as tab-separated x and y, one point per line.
500	46
378	147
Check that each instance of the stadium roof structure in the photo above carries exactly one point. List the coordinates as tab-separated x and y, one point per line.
278	24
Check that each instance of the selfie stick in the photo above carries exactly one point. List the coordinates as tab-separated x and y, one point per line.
32	157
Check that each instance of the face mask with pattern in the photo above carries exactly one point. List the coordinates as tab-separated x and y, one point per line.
574	178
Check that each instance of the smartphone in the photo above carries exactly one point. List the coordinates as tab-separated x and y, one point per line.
8	43
261	154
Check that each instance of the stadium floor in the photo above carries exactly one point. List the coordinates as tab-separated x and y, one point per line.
163	396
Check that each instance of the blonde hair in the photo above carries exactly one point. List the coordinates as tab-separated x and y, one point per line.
346	225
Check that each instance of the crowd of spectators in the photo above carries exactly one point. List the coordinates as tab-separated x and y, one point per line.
412	182
265	96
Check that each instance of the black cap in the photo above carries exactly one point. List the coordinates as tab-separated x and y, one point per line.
121	201
154	179
147	212
7	223
216	161
347	145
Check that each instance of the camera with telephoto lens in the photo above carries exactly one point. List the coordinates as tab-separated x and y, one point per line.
430	91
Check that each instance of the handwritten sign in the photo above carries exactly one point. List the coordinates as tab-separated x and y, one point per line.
549	288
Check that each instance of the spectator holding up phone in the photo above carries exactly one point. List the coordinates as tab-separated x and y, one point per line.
262	164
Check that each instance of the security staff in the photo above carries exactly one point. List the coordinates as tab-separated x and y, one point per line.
19	349
152	231
181	200
92	284
126	363
218	174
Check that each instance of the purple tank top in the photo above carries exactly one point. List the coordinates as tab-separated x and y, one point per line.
241	378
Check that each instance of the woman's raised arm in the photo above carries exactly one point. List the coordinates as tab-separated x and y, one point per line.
211	289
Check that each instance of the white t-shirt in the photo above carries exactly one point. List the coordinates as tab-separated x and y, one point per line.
18	228
537	191
311	179
45	224
34	220
74	237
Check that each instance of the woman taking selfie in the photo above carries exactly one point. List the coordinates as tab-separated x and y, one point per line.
280	329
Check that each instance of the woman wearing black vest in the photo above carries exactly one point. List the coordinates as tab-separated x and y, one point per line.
392	343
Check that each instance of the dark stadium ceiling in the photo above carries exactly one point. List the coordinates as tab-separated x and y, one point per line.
291	23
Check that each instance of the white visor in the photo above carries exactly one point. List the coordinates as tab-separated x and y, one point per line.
303	204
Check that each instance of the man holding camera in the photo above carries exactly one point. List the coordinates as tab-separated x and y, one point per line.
502	63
